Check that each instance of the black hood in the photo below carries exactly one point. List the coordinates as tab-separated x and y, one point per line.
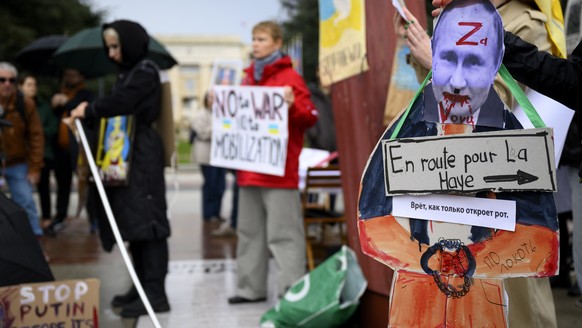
134	41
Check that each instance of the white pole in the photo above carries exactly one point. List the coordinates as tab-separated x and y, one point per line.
113	224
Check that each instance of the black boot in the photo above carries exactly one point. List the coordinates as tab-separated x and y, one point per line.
132	294
124	299
137	308
152	258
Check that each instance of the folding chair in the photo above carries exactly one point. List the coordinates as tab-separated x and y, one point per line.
324	182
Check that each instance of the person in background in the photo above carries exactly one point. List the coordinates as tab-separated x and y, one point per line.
228	229
27	84
214	177
560	79
21	144
322	134
569	192
73	92
140	208
270	219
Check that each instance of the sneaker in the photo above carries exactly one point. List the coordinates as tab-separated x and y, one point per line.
59	226
224	231
54	227
216	219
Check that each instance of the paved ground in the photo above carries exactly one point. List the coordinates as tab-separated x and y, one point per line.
201	270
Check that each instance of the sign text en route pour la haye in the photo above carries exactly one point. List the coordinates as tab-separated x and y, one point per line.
511	160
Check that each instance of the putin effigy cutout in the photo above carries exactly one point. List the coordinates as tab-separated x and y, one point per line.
450	259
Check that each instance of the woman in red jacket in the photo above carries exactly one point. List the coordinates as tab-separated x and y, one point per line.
270	218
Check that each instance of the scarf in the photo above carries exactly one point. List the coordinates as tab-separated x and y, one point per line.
261	63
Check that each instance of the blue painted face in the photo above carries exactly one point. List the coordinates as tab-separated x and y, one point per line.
466	57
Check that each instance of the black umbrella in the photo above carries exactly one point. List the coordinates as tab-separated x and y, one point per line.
84	51
37	56
21	258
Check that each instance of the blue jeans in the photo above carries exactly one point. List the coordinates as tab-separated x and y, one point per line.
21	191
212	190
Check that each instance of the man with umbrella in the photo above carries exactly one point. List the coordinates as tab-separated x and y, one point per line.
21	144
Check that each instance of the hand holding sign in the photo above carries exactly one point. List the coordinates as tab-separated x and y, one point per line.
289	95
417	40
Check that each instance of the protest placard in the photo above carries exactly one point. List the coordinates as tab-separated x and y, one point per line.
495	161
55	304
249	129
226	72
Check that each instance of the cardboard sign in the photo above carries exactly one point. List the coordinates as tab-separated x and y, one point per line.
482	212
510	160
249	129
226	72
59	304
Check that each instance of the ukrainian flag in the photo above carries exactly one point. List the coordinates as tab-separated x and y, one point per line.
226	123
273	128
555	25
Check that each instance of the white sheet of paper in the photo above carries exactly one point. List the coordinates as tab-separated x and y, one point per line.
554	114
309	157
483	212
398	4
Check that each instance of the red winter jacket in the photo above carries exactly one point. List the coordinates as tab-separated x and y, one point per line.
302	115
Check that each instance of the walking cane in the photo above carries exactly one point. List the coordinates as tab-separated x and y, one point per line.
114	228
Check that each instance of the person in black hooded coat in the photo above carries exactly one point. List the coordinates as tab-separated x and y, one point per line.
139	207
